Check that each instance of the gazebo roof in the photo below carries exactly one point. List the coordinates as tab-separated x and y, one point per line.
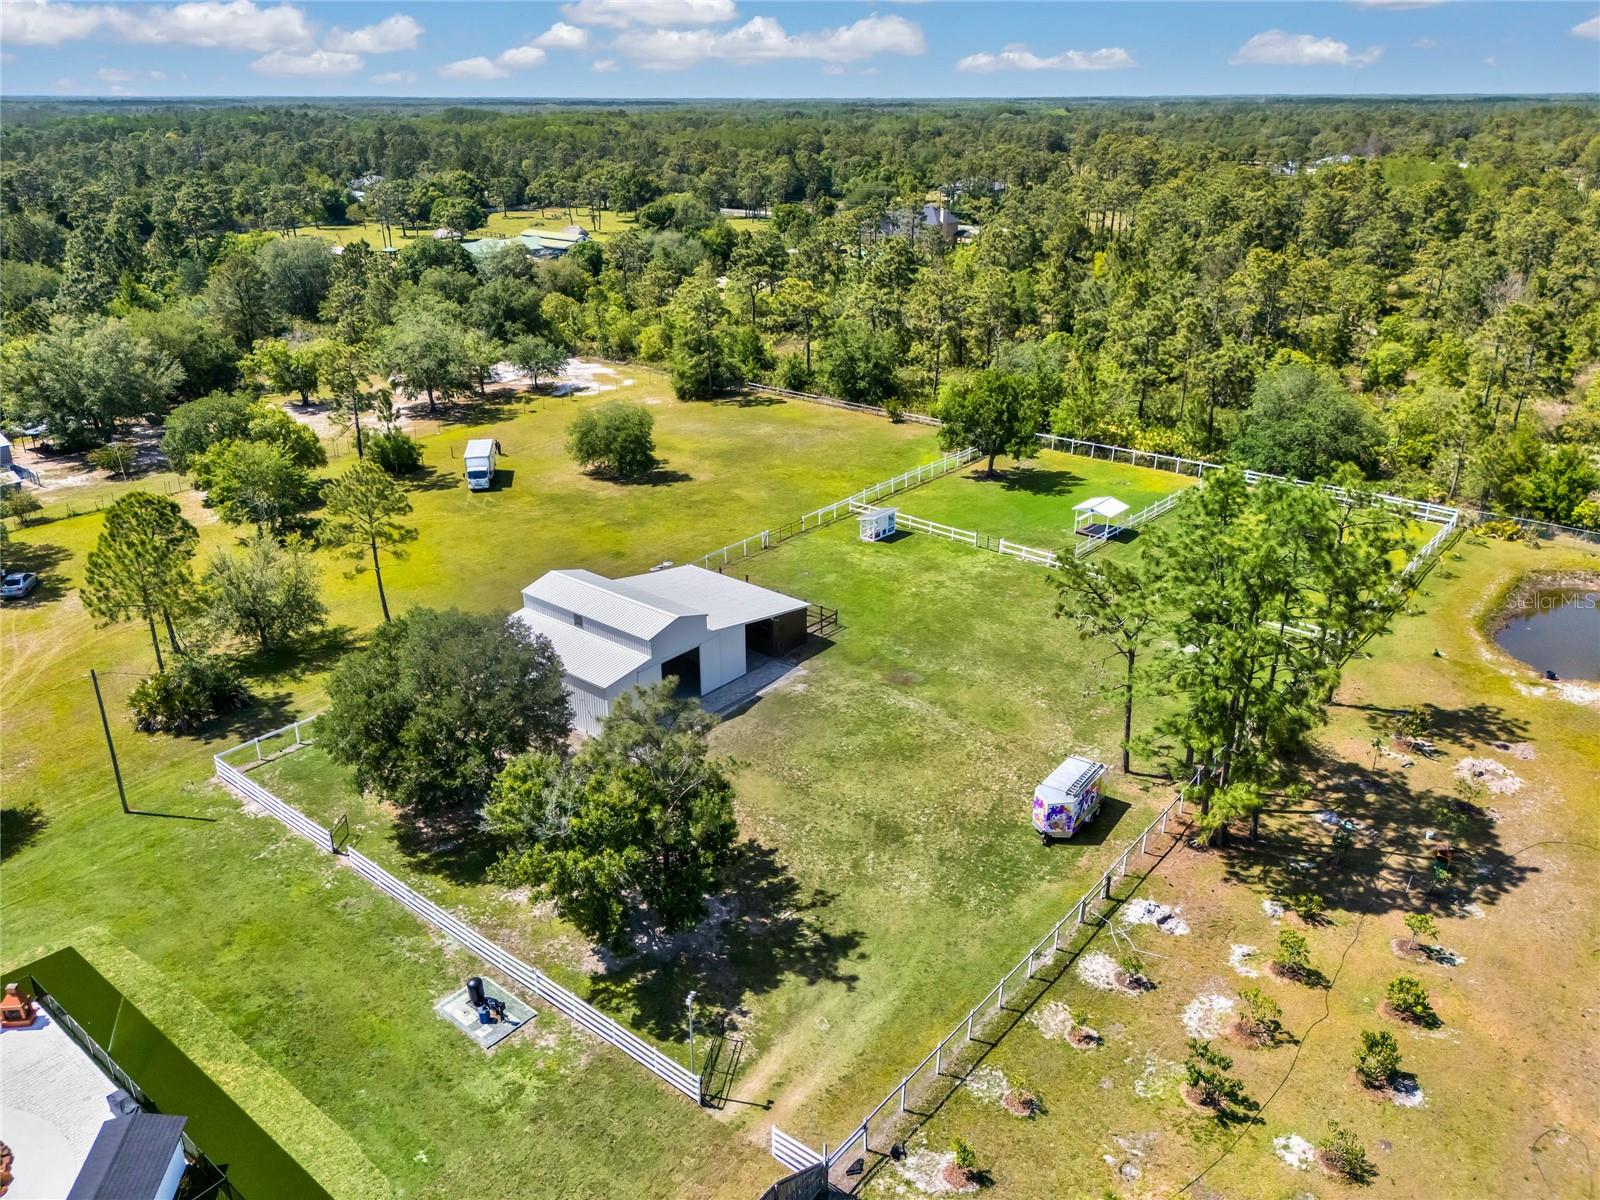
1102	506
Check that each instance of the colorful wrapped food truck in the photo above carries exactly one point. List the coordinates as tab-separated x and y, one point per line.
1068	799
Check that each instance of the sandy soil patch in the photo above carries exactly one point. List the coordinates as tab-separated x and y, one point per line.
1207	1015
1406	1094
1495	776
1160	1077
1148	912
1294	1150
1273	909
1521	751
988	1084
923	1169
1054	1020
1239	959
1099	970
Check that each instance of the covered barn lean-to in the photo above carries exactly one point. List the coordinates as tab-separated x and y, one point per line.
616	634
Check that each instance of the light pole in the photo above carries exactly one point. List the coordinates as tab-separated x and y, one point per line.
688	1003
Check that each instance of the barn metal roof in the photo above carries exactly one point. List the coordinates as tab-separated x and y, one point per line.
612	602
723	599
586	656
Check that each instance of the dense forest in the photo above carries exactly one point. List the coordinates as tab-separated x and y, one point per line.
1412	287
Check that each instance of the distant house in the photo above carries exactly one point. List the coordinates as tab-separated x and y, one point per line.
444	235
359	186
546	244
929	216
613	635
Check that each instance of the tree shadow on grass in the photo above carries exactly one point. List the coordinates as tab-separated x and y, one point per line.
20	827
1035	481
770	929
39	558
1466	726
309	655
431	479
452	845
1388	865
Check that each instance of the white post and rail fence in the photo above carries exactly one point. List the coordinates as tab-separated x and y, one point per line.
579	1011
948	1059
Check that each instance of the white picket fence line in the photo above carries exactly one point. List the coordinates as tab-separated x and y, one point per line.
829	513
579	1011
792	1152
915	418
1434	543
1042	953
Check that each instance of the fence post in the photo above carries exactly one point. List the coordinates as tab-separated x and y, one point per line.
938	1060
297	733
1106	881
258	749
969	1024
903	1083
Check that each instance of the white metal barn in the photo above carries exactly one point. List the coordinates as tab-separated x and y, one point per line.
617	634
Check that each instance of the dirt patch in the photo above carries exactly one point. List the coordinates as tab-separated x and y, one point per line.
1495	776
1273	909
1239	959
1148	912
1020	1103
1406	1094
1521	751
1294	1150
1207	1015
1054	1020
988	1084
1099	970
925	1170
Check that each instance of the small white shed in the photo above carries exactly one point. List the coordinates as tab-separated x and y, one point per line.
877	524
1097	516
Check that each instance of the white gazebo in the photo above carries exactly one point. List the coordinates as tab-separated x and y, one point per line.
1096	517
876	524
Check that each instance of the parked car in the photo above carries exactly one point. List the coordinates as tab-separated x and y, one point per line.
17	584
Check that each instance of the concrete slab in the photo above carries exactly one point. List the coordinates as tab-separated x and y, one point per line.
455	1009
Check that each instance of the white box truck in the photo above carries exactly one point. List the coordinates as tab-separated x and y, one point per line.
479	461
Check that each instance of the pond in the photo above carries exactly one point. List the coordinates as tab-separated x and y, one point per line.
1555	629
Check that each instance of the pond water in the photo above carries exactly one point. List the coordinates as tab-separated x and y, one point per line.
1555	629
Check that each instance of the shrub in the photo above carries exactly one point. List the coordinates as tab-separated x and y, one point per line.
1407	998
1293	955
1421	925
1342	1154
792	373
1308	906
21	504
195	688
1263	1016
114	458
395	452
966	1158
1378	1058
1206	1073
614	439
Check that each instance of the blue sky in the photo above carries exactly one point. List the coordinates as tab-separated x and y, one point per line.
749	48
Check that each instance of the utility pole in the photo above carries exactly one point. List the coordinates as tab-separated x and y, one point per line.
688	1003
110	745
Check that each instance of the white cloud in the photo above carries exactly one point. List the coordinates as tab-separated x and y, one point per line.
605	65
117	75
1491	61
398	32
308	63
473	68
7	57
521	58
209	24
1020	58
392	77
1279	49
1425	43
658	14
833	69
562	36
38	23
763	39
1589	28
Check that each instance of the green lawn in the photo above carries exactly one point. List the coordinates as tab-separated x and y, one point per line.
328	982
1512	1056
1031	502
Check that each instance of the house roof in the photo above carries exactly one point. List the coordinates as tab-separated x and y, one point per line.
1102	506
585	655
611	602
724	600
129	1158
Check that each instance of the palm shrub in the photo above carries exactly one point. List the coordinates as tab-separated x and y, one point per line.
1377	1058
192	690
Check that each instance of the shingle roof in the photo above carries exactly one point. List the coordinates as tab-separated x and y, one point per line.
129	1158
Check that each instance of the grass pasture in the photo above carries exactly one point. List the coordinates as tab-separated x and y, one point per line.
498	224
1507	1104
